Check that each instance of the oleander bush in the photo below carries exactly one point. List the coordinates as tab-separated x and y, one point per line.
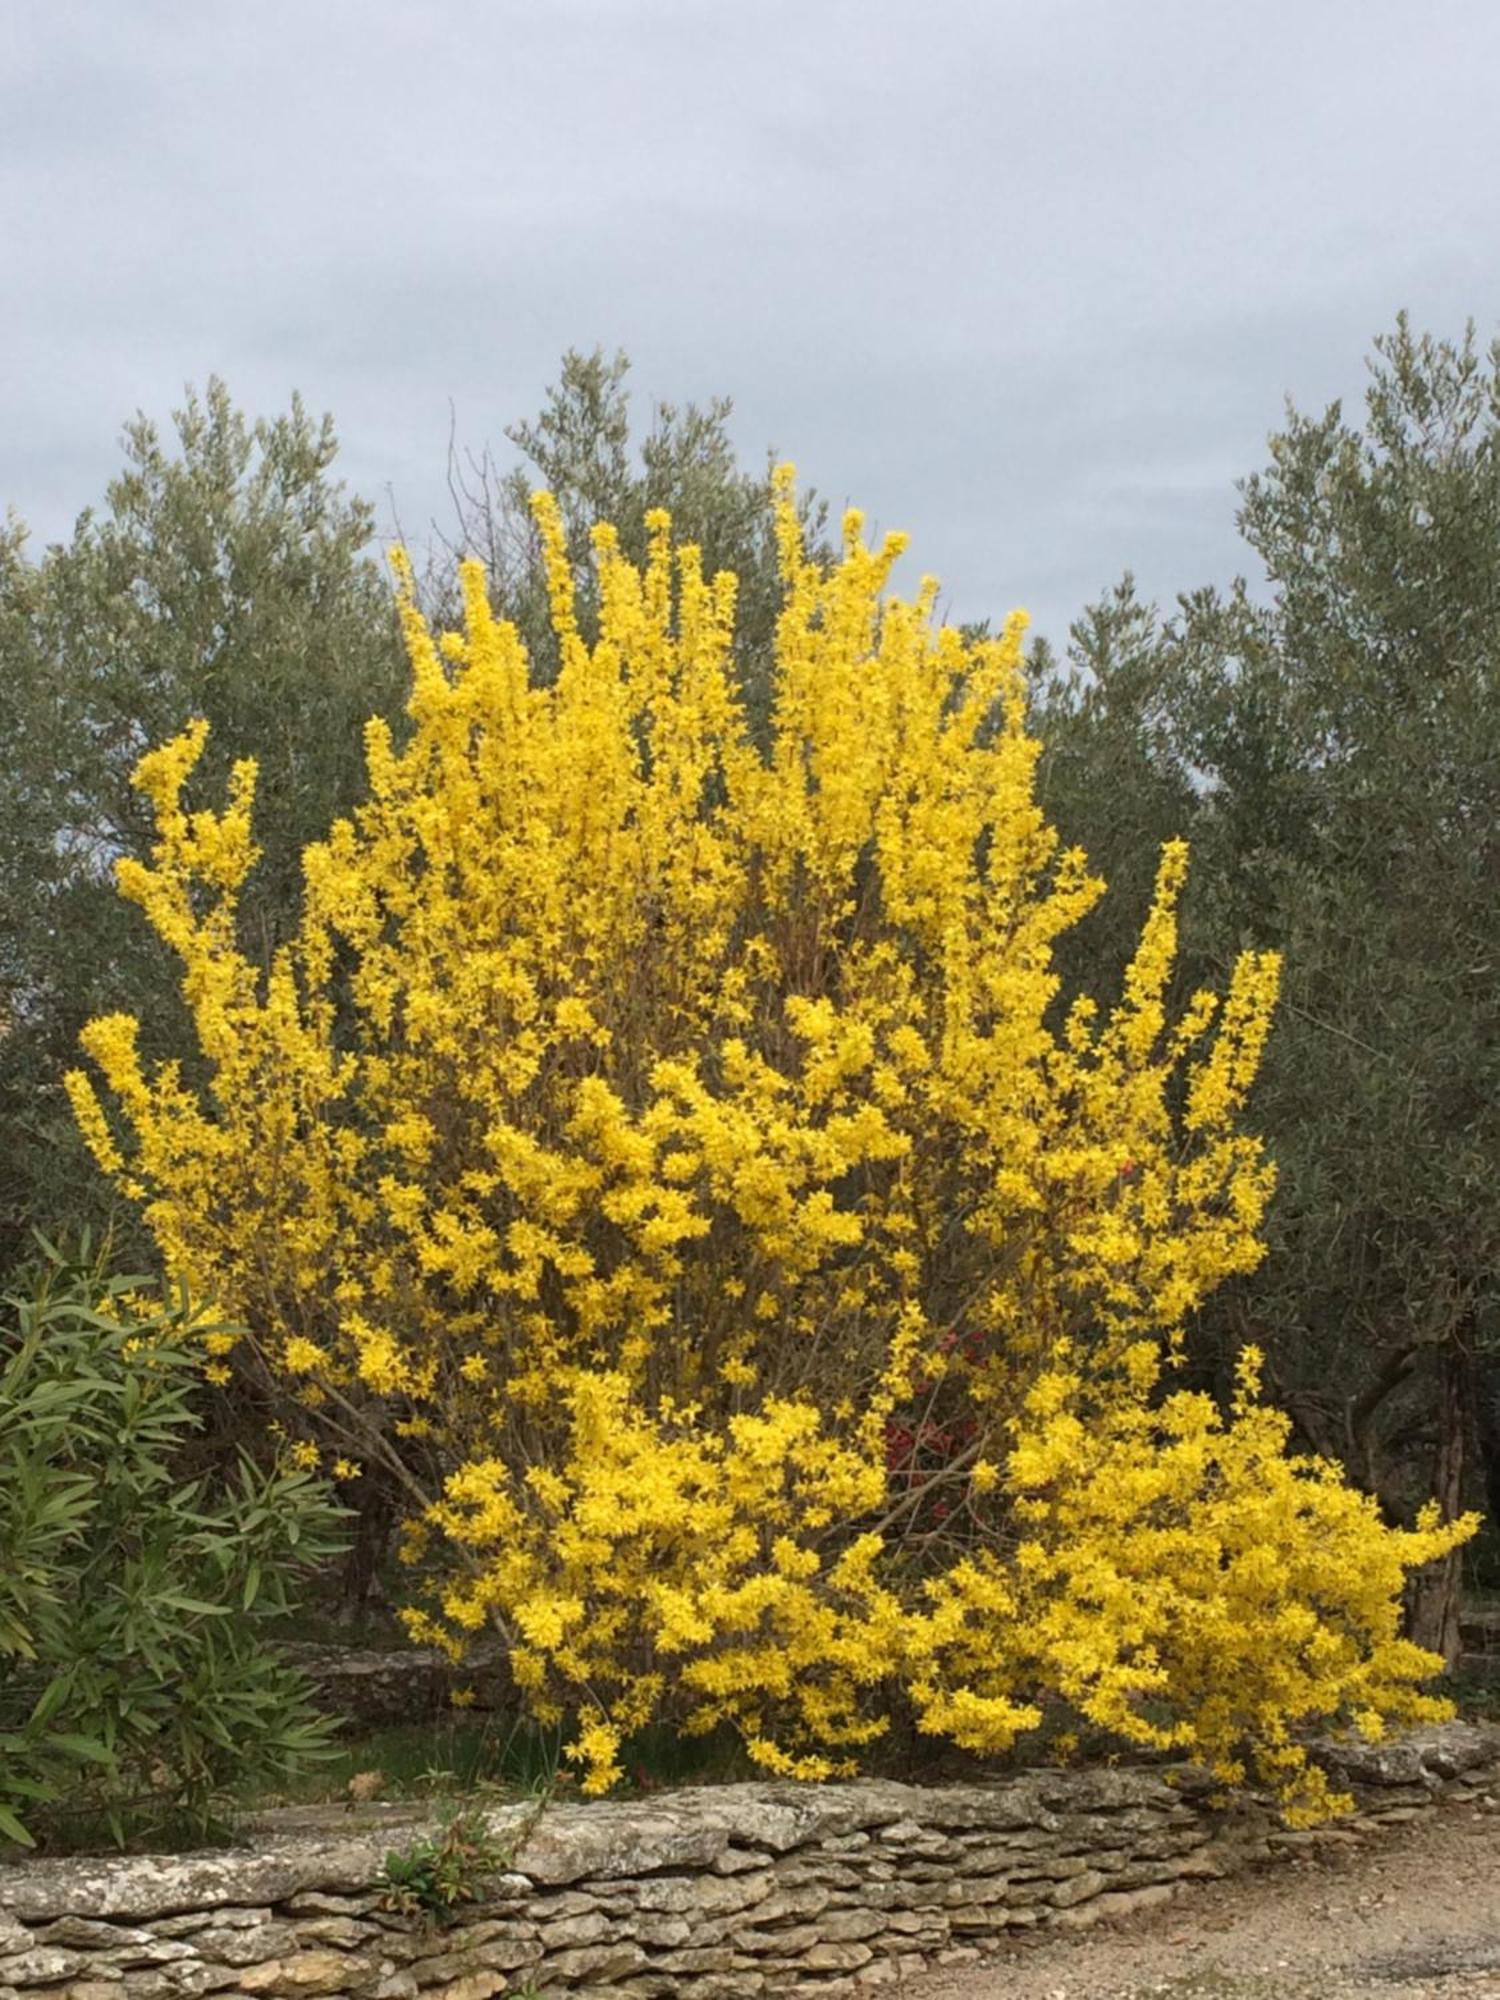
137	1683
670	1157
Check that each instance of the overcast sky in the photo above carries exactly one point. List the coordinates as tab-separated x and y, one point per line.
1029	280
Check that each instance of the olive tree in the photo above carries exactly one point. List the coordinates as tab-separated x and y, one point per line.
226	575
581	448
1331	739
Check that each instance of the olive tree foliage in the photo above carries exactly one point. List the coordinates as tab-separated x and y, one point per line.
1332	744
581	449
1111	772
227	575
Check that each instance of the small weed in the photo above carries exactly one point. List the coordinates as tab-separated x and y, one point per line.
444	1869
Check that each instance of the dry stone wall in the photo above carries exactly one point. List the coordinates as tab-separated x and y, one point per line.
368	1689
713	1894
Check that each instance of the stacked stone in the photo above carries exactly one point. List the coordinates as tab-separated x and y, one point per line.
719	1893
369	1690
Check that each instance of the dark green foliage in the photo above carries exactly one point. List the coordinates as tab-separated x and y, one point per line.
1111	778
136	1681
225	576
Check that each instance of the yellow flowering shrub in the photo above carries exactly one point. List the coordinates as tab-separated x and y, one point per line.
673	1160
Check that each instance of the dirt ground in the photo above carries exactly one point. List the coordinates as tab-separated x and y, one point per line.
1410	1913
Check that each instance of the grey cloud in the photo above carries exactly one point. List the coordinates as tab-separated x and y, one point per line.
1030	281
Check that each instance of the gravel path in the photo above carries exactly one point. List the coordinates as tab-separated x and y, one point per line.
1410	1913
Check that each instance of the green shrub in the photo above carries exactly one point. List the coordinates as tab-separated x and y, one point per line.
136	1680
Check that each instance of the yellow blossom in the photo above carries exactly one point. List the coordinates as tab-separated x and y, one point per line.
671	1121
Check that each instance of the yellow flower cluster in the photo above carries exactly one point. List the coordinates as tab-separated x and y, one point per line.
685	1145
1184	1581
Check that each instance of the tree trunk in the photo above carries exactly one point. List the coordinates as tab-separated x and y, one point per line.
1487	1431
1436	1594
373	1501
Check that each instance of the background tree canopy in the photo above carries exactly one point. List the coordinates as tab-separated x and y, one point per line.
227	575
580	448
1332	743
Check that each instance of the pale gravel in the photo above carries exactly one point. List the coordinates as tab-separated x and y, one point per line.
1408	1913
